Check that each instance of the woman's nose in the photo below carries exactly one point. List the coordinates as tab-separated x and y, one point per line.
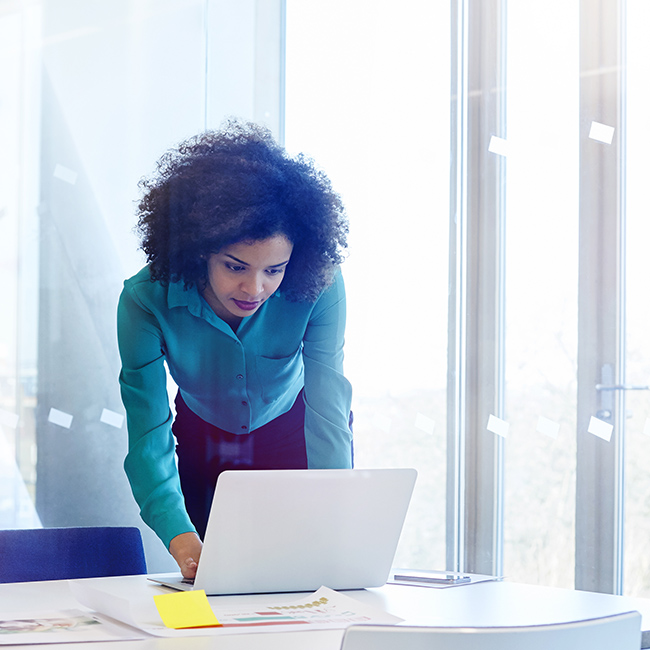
253	285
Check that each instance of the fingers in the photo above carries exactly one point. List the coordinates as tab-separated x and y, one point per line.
186	550
189	567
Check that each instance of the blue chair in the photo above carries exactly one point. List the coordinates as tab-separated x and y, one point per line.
66	553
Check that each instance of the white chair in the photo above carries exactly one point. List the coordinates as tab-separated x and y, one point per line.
617	632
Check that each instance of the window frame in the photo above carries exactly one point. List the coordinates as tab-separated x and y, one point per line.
477	294
601	318
475	463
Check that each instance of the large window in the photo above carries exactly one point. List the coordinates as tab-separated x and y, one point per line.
541	290
491	156
368	98
552	135
545	335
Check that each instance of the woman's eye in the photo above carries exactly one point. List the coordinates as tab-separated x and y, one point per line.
235	267
275	271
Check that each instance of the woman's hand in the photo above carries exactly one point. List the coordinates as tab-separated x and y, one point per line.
186	550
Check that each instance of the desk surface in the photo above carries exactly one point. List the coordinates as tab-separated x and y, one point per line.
482	604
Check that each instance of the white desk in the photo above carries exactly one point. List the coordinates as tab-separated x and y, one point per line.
483	604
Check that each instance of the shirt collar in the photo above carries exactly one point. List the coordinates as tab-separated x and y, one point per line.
179	296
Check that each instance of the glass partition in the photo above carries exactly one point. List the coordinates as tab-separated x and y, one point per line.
91	94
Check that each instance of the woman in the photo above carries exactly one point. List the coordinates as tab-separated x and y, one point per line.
243	299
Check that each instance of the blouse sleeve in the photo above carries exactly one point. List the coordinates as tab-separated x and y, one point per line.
150	463
328	393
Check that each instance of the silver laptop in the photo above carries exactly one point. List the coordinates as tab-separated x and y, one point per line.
297	530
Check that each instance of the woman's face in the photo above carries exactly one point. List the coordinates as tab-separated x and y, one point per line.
243	275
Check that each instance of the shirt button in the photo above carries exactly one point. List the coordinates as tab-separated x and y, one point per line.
244	403
240	376
243	426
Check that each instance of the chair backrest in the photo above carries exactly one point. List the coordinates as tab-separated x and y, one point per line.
66	553
620	631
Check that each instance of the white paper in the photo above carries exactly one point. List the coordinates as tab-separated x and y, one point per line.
324	609
65	626
600	429
103	603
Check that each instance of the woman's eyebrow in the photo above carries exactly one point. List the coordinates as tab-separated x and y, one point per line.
272	266
232	257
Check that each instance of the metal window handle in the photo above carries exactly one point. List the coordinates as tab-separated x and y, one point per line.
606	389
620	387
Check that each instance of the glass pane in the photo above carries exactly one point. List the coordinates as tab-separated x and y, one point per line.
17	241
368	99
637	436
85	110
541	291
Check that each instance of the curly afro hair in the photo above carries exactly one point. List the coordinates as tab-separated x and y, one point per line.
237	184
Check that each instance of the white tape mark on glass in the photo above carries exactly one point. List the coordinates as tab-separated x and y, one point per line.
498	146
548	427
600	429
498	426
60	418
66	175
601	132
112	418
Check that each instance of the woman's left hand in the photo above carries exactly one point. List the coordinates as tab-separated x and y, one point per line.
186	550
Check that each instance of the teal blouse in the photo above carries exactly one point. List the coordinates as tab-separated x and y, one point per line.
237	381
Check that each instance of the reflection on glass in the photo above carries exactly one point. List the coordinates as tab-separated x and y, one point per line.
18	267
90	94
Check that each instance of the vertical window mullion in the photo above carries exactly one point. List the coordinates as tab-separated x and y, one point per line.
476	379
599	493
457	292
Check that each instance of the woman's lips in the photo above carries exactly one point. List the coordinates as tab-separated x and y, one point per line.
246	306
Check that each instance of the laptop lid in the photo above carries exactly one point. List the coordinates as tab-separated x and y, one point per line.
297	530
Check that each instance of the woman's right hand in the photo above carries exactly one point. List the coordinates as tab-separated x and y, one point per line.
186	550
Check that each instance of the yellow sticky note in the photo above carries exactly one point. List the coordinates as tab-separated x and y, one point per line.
186	609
